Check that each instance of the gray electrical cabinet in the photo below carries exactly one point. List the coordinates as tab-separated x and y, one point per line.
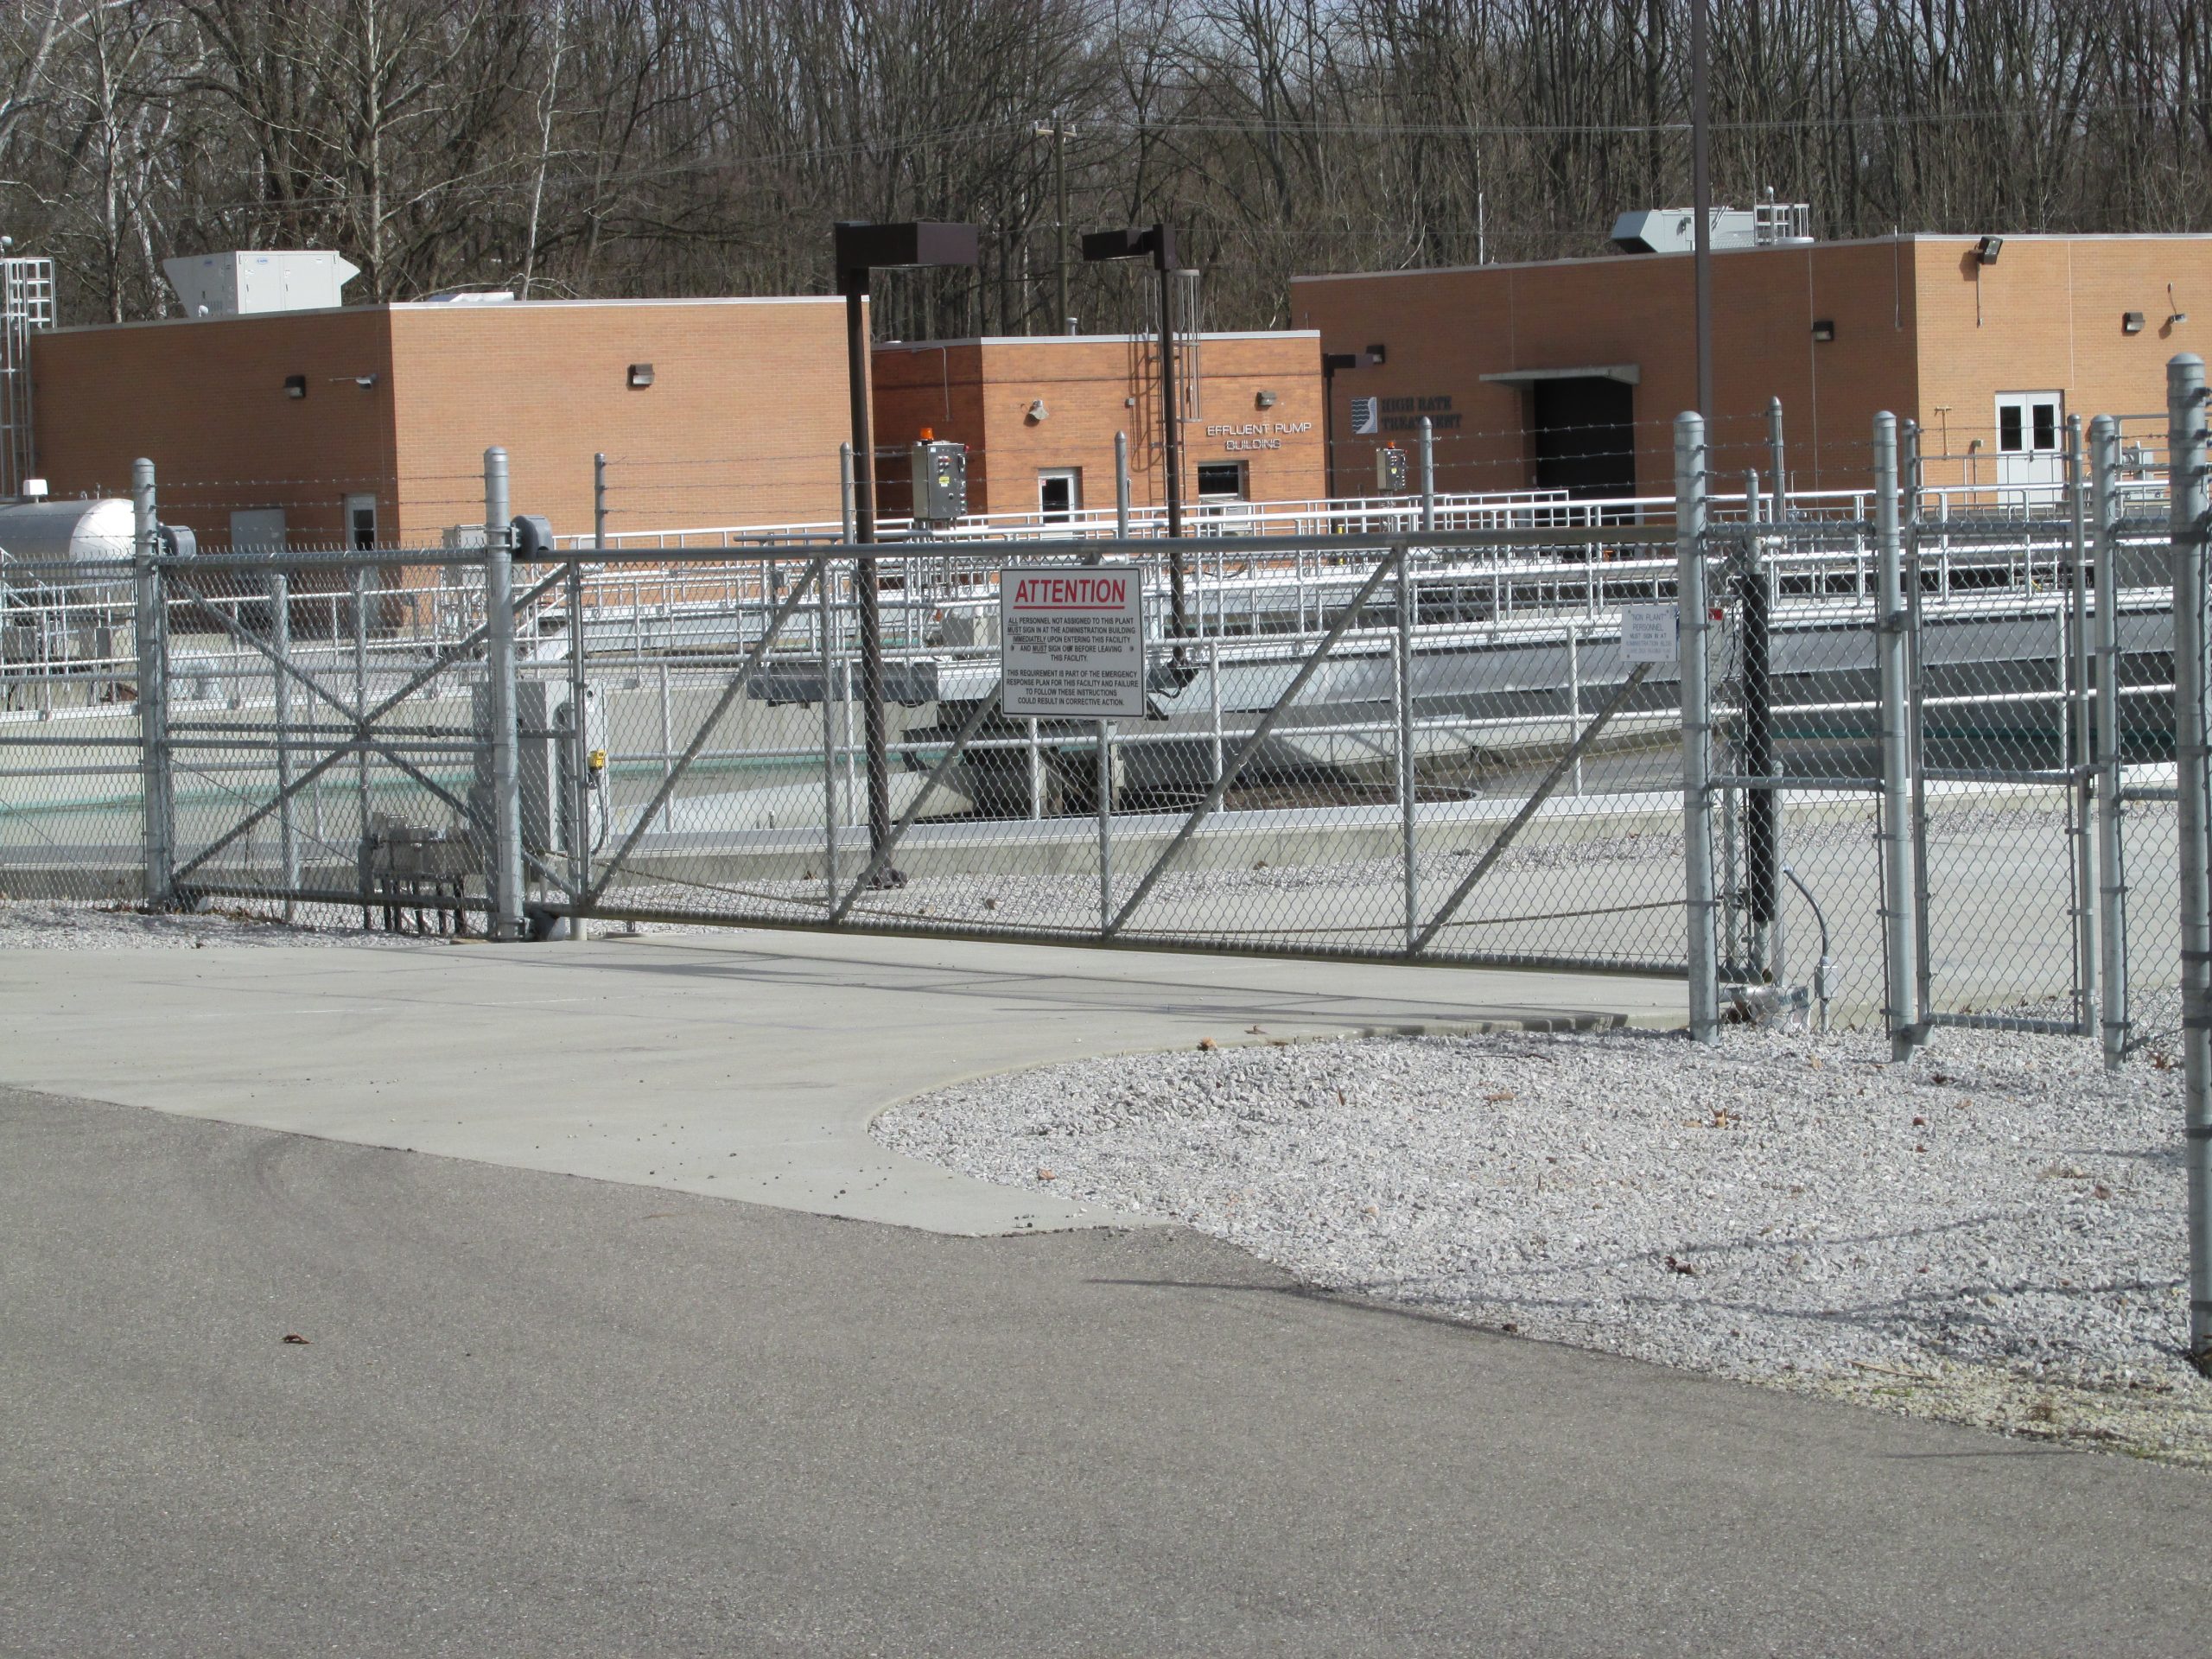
1390	473
544	757
940	482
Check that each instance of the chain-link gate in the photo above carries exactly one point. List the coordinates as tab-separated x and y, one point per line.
1359	747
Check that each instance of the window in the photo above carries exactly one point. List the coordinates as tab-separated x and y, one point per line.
1059	494
2046	425
2008	429
1221	480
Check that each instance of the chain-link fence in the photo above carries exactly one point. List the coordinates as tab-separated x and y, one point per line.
1918	801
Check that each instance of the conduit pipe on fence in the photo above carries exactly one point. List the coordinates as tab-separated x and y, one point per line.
2186	455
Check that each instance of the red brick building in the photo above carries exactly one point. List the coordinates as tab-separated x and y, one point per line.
1569	374
1038	414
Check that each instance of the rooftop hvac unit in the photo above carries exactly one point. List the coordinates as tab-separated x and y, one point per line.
253	283
1673	229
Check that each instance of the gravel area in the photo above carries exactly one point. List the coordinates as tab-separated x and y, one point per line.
46	924
1991	1235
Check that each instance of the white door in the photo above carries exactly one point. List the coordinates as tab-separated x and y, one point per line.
2030	447
1060	493
360	522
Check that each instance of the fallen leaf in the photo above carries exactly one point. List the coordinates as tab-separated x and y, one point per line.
1047	1175
1498	1099
1254	1031
1205	1042
295	1336
1676	1264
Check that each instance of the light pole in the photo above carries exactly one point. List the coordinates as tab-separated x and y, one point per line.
1330	362
860	251
1701	207
1157	243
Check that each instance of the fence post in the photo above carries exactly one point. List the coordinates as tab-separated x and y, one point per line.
2111	932
580	709
1408	770
1692	623
362	854
2079	746
503	855
1903	997
152	639
2185	441
1121	485
280	643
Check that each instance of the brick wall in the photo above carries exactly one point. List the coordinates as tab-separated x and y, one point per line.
980	393
205	402
740	425
2049	321
1443	331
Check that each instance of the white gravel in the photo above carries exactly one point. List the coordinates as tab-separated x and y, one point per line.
1993	1234
46	925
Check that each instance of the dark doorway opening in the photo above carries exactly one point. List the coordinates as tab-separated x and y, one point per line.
1585	429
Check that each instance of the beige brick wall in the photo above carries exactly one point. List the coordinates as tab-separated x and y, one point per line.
2049	321
740	425
979	392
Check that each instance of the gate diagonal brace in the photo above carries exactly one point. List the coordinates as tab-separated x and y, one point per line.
1250	747
961	739
445	658
252	641
1541	793
813	574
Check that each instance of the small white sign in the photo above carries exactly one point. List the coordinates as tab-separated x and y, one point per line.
1651	633
1071	641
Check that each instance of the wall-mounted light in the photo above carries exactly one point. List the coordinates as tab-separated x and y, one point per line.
1988	248
1376	355
641	376
296	385
1266	400
2174	313
365	382
1824	329
2131	322
1037	409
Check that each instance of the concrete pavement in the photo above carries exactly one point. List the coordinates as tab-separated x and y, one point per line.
740	1065
542	1415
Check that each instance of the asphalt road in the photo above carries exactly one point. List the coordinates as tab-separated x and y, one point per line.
538	1413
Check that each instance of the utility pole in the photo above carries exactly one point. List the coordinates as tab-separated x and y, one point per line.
1060	132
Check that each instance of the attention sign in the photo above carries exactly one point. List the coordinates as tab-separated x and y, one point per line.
1071	641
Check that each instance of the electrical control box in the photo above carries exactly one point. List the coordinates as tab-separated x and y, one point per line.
940	482
547	754
1391	470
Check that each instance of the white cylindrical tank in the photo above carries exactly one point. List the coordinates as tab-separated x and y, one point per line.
55	534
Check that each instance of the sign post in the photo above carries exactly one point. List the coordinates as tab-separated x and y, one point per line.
1071	641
